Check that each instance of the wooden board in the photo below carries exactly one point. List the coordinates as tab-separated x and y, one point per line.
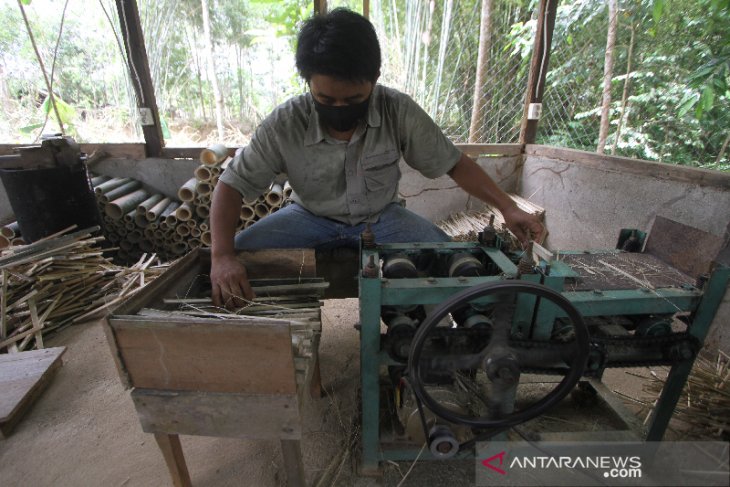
23	376
206	355
686	248
225	415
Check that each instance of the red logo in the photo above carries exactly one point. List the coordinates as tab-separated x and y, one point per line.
488	462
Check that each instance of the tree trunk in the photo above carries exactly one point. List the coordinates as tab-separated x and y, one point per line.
211	66
608	74
239	71
476	128
625	94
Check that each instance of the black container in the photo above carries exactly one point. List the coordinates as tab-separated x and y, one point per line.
46	201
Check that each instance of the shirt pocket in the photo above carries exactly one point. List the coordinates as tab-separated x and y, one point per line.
381	170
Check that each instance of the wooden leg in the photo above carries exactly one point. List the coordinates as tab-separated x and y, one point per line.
315	387
172	451
292	454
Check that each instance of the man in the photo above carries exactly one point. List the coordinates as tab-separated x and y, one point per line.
339	145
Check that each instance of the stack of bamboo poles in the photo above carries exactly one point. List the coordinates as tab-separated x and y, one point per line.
139	221
10	235
59	280
705	401
465	226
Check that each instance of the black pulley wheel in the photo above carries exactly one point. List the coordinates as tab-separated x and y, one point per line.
577	361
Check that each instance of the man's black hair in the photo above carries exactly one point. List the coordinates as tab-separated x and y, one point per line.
341	44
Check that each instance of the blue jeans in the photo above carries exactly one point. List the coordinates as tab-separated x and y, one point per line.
295	227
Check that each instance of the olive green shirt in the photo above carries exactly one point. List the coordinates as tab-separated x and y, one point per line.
348	181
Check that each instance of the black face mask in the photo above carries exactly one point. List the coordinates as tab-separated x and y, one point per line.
341	118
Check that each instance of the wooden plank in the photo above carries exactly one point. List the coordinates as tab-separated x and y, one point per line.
23	377
279	263
291	451
181	152
207	355
139	71
272	263
126	151
539	62
476	150
174	458
210	414
686	248
626	165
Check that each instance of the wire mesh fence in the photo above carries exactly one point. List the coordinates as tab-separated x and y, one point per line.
430	51
670	95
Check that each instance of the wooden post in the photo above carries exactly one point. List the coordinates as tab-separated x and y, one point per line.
139	71
172	451
320	7
366	8
538	66
292	453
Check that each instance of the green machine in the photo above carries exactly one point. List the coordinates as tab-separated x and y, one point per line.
463	341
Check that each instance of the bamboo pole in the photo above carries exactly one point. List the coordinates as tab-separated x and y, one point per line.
187	190
155	212
213	155
10	231
203	173
123	205
147	204
120	191
184	212
275	196
110	185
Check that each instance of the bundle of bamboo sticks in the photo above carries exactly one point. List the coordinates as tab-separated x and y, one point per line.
464	226
10	235
140	221
59	280
705	401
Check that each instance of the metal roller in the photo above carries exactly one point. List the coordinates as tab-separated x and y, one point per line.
464	264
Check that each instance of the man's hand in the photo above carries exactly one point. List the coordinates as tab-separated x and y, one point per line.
229	282
520	222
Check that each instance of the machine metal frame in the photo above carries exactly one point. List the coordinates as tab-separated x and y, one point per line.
376	291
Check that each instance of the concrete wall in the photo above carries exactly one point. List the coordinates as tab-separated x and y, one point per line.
436	199
588	198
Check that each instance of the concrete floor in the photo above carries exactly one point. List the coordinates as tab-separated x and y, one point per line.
84	431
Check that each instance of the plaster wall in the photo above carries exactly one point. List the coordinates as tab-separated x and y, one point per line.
436	199
589	198
587	204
